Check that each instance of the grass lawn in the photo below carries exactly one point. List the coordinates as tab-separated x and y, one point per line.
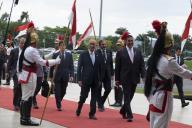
189	64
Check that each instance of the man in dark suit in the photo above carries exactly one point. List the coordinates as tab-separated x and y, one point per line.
128	71
178	80
88	75
12	69
106	73
63	73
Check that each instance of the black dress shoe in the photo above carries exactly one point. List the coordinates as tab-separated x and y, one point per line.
6	83
124	116
116	104
78	112
35	106
129	119
59	109
185	104
28	123
16	108
101	109
93	117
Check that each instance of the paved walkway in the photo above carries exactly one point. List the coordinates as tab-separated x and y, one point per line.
10	119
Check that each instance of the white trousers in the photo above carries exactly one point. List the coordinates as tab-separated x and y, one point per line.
28	89
161	107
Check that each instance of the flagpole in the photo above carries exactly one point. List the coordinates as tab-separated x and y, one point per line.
100	23
6	31
92	23
1	5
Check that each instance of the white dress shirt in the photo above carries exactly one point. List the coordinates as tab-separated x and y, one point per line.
92	56
131	53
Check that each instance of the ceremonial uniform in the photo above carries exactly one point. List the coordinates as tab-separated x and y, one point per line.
28	77
161	69
161	100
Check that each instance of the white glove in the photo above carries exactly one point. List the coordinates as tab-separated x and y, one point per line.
58	60
54	61
184	66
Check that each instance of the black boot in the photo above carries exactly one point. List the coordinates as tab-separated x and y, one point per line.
78	111
26	113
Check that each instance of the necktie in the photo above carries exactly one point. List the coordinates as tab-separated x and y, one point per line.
62	56
178	59
105	55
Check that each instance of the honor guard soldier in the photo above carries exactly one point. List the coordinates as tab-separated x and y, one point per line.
27	74
161	68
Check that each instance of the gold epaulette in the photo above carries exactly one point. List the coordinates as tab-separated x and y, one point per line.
169	58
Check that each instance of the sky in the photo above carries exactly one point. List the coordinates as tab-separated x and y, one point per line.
134	15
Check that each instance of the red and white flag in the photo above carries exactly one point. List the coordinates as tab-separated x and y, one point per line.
185	34
85	35
72	38
22	30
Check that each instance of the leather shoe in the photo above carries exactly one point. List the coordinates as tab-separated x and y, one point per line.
6	83
185	104
124	116
78	112
59	109
116	104
35	106
93	117
102	109
16	108
129	119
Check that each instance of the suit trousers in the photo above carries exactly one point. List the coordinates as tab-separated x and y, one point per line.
128	91
16	91
106	83
84	94
60	91
179	84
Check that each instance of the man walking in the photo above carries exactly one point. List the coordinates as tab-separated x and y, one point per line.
88	75
107	73
128	71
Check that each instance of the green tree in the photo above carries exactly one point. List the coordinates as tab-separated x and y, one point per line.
145	44
177	40
24	16
5	17
120	30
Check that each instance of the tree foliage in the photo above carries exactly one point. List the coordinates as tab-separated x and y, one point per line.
120	30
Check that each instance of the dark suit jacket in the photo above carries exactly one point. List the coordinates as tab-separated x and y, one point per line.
127	72
86	71
65	68
108	65
12	61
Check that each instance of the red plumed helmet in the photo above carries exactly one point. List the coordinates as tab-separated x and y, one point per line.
157	26
59	38
9	38
125	35
31	24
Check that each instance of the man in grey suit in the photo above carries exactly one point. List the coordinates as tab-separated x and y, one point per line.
128	71
88	75
63	73
12	69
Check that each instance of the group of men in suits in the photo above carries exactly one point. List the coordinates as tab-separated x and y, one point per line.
95	70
